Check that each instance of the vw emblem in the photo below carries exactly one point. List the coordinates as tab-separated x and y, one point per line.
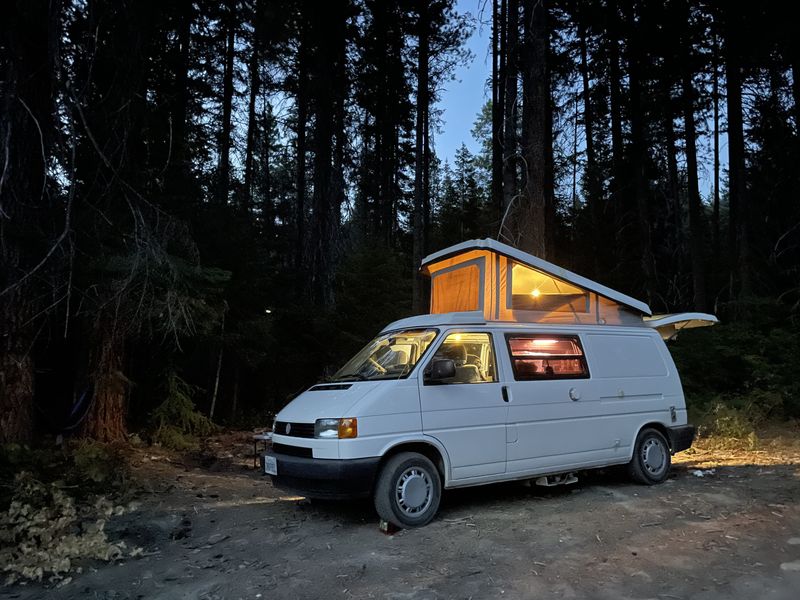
288	428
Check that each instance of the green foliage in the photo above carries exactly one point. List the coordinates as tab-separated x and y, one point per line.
176	421
86	466
740	374
102	464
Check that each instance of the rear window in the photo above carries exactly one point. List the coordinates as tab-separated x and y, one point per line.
540	356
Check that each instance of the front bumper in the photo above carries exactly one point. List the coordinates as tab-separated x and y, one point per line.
323	477
681	437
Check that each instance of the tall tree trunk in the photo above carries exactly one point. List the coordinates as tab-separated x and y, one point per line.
267	207
418	233
695	203
510	95
593	184
30	35
252	119
177	176
619	183
737	192
673	178
301	101
105	421
639	149
328	28
498	60
715	103
426	195
227	105
529	225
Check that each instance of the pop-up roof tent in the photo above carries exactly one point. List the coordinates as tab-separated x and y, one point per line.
506	284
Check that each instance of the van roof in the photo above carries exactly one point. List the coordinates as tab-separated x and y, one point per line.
538	264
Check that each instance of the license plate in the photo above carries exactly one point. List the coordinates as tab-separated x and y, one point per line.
270	465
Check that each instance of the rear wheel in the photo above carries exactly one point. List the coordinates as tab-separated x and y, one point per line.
408	491
651	458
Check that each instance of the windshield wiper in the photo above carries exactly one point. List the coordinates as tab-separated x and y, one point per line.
358	376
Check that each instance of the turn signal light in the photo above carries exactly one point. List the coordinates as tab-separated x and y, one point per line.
348	428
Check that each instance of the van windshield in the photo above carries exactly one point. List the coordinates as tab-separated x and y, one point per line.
389	356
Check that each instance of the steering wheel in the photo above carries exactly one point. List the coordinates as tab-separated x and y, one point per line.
378	367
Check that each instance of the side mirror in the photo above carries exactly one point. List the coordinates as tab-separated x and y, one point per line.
441	368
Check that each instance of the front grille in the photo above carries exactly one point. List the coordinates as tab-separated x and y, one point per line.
292	450
302	430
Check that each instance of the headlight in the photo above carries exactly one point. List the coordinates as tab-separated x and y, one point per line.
336	428
326	428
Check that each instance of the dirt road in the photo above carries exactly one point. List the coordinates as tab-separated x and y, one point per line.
732	533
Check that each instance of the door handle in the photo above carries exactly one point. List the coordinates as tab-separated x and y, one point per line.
504	391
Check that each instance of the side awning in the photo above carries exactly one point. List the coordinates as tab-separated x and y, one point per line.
669	325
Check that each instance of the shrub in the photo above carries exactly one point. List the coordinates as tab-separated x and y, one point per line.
176	421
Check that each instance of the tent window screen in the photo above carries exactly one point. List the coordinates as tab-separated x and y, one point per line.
457	289
533	290
546	357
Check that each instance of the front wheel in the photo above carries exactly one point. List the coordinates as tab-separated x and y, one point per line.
651	458
408	491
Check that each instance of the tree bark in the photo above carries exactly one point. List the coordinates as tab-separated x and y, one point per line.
593	183
528	226
639	149
301	100
227	105
328	28
420	164
510	96
497	104
693	188
30	35
105	421
715	107
178	176
737	191
252	119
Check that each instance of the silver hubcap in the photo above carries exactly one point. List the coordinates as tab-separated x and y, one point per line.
414	491
654	456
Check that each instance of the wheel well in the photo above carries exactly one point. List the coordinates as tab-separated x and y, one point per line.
427	450
660	428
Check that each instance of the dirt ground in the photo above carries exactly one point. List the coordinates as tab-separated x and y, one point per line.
725	525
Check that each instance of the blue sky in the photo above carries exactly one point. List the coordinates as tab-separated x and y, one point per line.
462	98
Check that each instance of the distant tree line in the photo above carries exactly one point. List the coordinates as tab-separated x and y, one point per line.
235	195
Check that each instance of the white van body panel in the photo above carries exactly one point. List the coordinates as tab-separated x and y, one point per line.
326	403
387	413
544	426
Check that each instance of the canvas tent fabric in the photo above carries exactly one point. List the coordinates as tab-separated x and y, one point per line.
506	284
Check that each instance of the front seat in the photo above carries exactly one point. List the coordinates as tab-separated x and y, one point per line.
465	373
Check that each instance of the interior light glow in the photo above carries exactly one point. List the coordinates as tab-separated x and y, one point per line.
544	342
457	337
536	293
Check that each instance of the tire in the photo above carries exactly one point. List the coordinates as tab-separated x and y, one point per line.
408	491
651	458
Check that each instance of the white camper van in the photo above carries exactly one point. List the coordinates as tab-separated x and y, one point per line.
523	370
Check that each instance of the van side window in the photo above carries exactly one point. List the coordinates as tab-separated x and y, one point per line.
472	355
546	357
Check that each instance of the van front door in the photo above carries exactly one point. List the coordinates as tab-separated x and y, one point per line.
467	412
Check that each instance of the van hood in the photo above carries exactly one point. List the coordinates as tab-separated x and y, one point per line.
326	401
